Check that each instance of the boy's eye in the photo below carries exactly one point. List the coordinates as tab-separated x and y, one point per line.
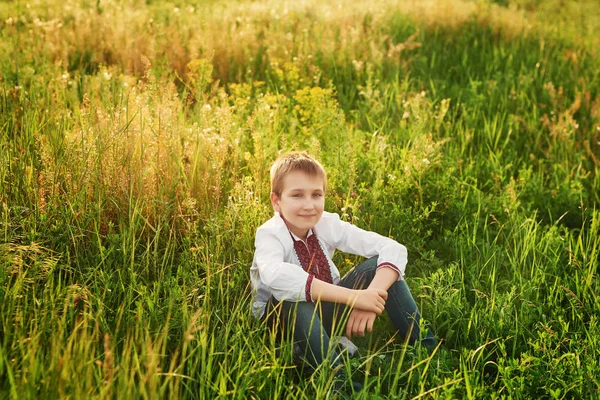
318	194
296	195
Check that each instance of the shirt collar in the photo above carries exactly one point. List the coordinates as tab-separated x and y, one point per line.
310	233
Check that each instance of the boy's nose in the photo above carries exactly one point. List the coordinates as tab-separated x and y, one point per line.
308	205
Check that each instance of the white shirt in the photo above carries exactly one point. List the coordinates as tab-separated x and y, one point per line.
276	270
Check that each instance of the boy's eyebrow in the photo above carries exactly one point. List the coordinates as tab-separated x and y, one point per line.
304	189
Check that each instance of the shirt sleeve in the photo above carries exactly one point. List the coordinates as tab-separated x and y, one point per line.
352	239
286	281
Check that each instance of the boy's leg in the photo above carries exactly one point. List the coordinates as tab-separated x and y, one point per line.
311	324
307	322
400	305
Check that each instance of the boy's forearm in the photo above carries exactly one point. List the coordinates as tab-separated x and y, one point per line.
370	299
384	278
324	291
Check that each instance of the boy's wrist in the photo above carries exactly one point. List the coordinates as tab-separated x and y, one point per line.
352	296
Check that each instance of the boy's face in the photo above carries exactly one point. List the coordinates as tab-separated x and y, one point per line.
301	202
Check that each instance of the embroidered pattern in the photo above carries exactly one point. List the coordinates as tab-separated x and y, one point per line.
392	266
308	287
320	259
313	258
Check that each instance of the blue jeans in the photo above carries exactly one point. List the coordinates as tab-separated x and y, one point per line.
312	324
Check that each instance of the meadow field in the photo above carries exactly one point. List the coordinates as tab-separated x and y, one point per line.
135	142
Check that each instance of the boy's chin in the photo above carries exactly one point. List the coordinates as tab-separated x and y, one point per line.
304	225
301	226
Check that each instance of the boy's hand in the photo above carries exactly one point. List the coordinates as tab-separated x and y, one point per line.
359	321
369	300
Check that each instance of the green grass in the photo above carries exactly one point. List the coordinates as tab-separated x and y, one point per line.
135	142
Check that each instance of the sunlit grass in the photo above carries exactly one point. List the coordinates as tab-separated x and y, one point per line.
135	144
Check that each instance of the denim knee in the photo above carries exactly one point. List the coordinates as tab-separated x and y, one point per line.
361	276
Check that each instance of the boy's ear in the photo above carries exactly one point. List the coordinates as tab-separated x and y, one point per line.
275	201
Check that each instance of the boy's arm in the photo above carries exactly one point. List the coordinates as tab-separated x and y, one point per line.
384	278
285	281
290	282
371	299
352	239
361	320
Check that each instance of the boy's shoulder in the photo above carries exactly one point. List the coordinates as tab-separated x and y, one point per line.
329	226
273	228
328	218
275	223
273	232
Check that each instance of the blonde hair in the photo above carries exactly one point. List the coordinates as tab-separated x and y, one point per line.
294	161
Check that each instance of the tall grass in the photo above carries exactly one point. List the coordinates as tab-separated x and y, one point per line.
134	151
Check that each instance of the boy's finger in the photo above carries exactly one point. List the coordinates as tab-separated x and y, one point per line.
349	327
360	330
370	324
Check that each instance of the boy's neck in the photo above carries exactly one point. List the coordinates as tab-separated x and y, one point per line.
301	237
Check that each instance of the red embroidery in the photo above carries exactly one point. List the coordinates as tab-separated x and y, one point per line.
392	266
320	259
313	258
307	289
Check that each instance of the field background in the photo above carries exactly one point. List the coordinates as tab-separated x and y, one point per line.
135	141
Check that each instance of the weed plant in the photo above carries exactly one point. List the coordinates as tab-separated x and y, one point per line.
135	142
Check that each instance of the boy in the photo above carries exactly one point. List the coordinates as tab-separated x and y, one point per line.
292	268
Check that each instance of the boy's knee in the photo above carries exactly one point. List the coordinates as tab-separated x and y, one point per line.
368	266
363	273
